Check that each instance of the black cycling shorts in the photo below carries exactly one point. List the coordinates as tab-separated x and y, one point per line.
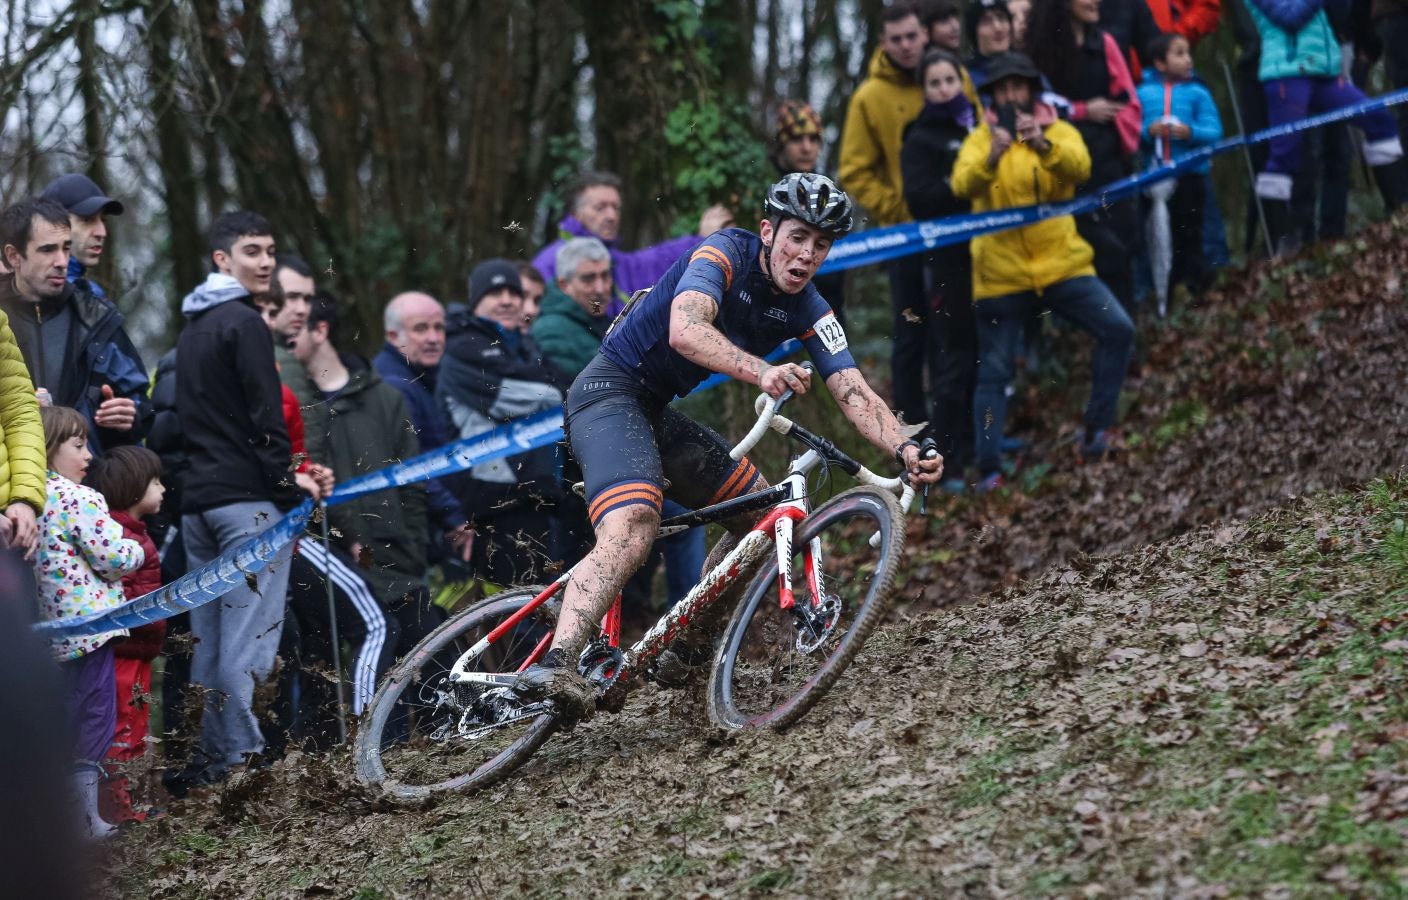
616	428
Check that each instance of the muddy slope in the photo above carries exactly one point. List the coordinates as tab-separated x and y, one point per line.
1225	713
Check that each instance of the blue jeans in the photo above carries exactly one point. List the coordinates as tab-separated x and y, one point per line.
1086	302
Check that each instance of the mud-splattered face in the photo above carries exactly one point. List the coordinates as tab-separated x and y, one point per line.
797	251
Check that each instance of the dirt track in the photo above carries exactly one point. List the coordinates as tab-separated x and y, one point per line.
1203	711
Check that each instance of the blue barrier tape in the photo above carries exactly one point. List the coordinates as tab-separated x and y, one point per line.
879	245
884	244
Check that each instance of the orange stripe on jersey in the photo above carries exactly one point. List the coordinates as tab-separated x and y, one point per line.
810	332
718	258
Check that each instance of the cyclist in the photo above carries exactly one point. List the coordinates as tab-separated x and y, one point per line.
720	308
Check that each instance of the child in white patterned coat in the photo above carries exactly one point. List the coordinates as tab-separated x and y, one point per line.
80	562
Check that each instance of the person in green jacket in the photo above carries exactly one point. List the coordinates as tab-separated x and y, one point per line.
370	429
573	319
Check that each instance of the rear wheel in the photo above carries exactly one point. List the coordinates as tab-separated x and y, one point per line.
422	735
774	664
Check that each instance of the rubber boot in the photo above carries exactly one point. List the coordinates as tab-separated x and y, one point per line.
1392	180
85	789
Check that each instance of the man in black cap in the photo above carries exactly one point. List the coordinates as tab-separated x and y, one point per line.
87	207
74	345
491	374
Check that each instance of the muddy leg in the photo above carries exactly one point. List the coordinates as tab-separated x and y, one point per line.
623	540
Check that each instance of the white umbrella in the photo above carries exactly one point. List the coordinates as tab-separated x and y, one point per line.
1158	233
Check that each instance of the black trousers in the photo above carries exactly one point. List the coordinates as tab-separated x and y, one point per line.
1185	214
1112	232
952	355
909	353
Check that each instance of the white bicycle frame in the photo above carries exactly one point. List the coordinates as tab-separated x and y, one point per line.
775	527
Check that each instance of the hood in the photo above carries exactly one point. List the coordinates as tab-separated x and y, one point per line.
361	376
884	68
570	226
215	290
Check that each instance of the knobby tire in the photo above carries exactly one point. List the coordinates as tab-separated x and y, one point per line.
369	749
865	504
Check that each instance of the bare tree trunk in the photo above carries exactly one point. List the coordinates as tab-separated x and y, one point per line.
179	185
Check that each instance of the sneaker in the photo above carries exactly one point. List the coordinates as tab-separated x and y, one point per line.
555	680
989	483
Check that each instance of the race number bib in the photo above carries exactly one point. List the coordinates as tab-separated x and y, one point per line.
833	336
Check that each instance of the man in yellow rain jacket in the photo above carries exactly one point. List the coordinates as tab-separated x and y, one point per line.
1022	155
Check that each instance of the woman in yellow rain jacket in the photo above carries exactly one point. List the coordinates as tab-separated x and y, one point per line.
1022	155
22	459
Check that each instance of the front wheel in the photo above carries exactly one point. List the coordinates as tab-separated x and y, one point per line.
422	735
774	664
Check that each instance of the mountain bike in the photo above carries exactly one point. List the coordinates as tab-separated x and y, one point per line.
447	718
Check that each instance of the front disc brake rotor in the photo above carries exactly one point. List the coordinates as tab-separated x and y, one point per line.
816	623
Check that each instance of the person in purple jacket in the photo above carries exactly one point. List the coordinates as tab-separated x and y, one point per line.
594	206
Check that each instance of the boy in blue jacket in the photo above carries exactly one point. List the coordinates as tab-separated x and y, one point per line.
1180	116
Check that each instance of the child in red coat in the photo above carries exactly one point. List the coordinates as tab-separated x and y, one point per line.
130	479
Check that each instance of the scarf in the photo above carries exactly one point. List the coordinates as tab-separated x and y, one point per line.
958	108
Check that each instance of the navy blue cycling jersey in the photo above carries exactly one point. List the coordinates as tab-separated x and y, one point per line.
752	314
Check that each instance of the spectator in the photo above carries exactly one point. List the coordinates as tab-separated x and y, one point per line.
1043	264
72	340
941	19
22	461
931	145
1085	65
385	532
1300	71
574	321
295	281
229	402
1193	19
886	101
594	205
988	27
80	563
1130	22
880	108
533	290
87	207
1180	116
492	374
410	362
796	147
129	478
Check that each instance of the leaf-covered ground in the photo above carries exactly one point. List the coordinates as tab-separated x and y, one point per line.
1181	673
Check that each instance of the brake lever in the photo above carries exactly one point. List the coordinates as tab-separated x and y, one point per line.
928	449
789	393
